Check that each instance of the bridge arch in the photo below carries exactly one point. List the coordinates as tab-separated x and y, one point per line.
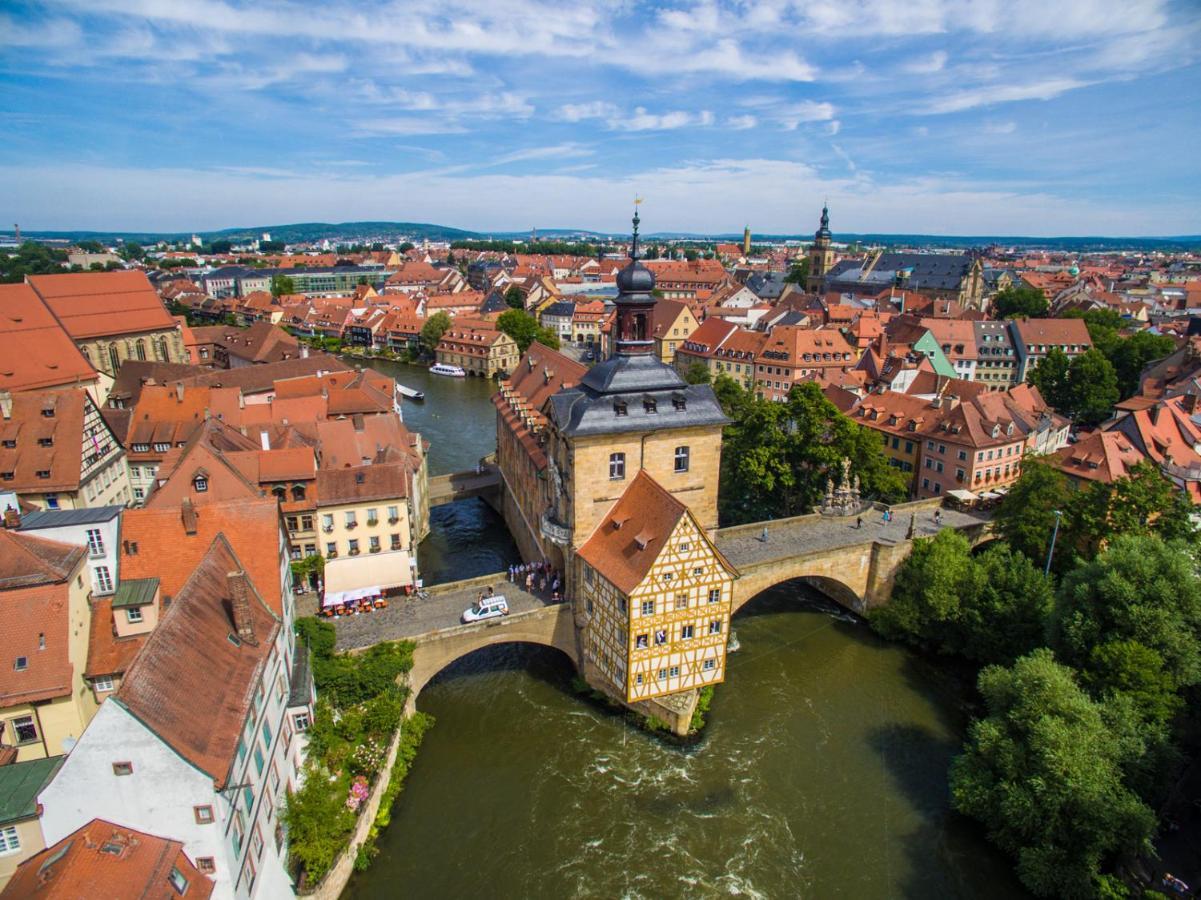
828	586
547	627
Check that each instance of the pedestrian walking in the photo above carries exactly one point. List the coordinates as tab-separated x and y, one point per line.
938	517
859	521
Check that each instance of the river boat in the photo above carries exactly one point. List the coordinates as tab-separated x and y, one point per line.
409	392
444	369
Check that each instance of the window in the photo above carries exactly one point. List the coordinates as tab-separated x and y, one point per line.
10	841
374	545
274	777
123	768
103	684
681	459
648	607
617	466
95	542
206	864
685	632
354	546
715	595
24	730
301	721
662	675
298	492
260	761
396	542
681	601
660	637
200	483
709	665
306	523
640	642
331	549
674	672
138	493
372	517
963	454
256	842
715	626
351	521
203	815
21	664
327	522
133	615
393	514
104	580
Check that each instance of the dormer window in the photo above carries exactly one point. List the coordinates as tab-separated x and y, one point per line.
200	483
46	442
649	405
619	408
679	402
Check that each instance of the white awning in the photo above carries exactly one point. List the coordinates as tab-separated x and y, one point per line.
367	575
963	496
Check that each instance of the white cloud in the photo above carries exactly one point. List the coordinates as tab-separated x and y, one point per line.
833	127
641	120
792	115
1001	93
1000	127
578	112
741	123
927	65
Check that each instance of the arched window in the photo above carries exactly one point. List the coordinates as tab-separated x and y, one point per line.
113	359
298	492
162	349
139	348
640	327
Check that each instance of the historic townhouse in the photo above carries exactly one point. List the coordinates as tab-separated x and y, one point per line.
57	451
656	596
44	702
996	358
791	354
1035	338
199	742
112	317
674	322
479	351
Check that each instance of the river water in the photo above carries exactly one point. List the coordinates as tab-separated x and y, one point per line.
822	771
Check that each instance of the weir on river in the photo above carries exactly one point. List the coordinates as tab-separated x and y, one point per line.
822	772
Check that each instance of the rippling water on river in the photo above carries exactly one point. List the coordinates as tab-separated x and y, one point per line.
822	773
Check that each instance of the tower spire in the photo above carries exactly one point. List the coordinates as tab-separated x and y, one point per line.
634	243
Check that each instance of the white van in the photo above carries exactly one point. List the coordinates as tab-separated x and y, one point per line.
487	608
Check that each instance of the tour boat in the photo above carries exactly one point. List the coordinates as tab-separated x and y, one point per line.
444	369
410	392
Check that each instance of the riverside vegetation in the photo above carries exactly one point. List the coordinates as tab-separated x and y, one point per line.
360	705
1087	675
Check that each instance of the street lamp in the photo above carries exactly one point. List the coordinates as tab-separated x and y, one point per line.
1051	551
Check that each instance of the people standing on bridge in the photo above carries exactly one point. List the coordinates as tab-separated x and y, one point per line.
529	582
938	517
858	521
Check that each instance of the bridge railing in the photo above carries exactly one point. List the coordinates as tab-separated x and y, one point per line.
875	505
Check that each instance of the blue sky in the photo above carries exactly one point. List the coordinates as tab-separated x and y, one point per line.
1038	117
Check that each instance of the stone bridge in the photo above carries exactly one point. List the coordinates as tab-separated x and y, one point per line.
855	566
462	485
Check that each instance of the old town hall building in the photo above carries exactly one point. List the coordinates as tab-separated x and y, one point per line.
611	474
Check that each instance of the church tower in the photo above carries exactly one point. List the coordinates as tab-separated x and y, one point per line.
821	255
746	241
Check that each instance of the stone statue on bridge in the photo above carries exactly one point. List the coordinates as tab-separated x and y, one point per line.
843	500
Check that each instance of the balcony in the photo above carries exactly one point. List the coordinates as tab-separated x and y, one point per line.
555	531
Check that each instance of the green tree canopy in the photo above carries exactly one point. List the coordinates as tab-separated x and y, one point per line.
776	457
1043	772
1050	376
1091	388
1025	518
132	250
30	259
1133	354
1020	301
433	329
1140	589
282	284
524	329
1144	502
798	272
515	298
698	373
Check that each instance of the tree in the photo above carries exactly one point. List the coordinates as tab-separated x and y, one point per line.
698	373
1043	772
132	251
776	457
1133	354
1006	616
1144	502
798	272
1020	302
1050	376
1140	589
30	259
1025	518
405	247
1091	388
433	329
1129	668
925	604
282	284
515	298
524	329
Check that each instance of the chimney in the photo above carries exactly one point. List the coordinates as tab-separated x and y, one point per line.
12	518
179	391
265	440
6	405
188	513
239	596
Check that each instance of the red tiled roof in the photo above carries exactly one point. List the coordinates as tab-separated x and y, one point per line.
103	861
173	677
109	654
30	428
29	561
30	613
35	351
96	304
630	537
539	373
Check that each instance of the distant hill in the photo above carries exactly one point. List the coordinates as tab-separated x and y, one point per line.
349	232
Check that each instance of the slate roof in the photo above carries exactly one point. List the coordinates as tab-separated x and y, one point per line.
63	518
767	285
931	271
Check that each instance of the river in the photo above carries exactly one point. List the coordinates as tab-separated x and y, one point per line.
822	771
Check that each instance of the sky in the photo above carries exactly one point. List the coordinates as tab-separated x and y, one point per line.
957	117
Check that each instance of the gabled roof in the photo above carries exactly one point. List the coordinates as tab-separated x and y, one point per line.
1101	456
20	784
35	351
633	533
28	561
103	861
173	677
98	304
30	615
47	428
540	373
